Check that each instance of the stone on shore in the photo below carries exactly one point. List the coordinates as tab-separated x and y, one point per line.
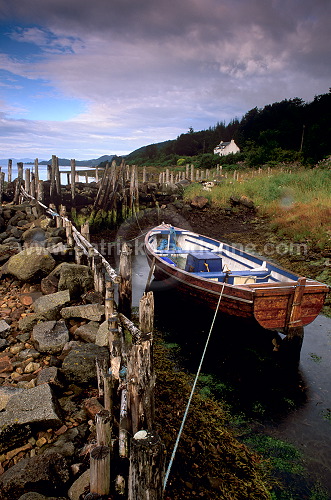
78	279
79	365
31	264
50	336
48	306
92	312
35	406
46	474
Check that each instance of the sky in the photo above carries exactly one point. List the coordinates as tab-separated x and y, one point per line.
84	78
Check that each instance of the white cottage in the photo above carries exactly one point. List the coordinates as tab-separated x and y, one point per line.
225	148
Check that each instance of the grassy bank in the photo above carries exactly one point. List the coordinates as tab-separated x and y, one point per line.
298	203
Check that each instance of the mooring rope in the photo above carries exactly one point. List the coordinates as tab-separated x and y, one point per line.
191	395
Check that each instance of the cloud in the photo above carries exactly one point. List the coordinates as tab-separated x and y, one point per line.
146	71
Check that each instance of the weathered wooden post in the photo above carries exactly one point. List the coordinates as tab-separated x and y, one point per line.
68	228
57	179
40	191
2	183
85	230
103	428
36	170
147	465
100	470
192	173
18	183
27	181
98	274
10	167
144	174
125	285
49	172
52	189
141	376
73	175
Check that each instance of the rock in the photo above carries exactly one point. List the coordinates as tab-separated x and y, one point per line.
31	263
199	202
79	486
46	474
102	337
6	393
76	278
4	328
50	336
88	332
79	365
92	312
35	406
48	306
246	202
8	250
35	236
49	285
49	375
27	322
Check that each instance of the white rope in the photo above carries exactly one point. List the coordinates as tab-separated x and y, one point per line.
191	395
77	235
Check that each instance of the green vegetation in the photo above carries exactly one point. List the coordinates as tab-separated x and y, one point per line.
298	202
287	131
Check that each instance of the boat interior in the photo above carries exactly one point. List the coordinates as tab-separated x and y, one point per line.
213	260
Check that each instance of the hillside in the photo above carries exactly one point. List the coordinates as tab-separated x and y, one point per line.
286	131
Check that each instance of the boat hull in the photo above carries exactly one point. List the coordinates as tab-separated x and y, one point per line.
275	306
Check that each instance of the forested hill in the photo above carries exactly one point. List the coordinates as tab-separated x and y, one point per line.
289	130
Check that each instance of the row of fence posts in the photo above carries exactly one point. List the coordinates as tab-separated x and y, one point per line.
128	458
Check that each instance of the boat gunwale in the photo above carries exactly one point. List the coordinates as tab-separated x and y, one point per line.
255	288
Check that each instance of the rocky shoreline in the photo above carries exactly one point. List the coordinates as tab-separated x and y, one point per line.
51	331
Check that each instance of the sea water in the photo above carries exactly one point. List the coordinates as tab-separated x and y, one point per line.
42	171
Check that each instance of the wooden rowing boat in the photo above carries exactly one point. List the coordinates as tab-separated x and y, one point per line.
238	283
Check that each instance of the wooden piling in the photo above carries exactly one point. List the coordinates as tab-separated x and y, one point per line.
36	170
73	175
10	167
27	181
125	285
57	180
2	183
52	189
100	470
85	230
103	428
147	466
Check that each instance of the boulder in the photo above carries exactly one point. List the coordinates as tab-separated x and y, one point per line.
79	366
48	306
35	236
50	336
199	202
45	474
78	279
92	312
8	250
102	337
31	264
35	406
88	332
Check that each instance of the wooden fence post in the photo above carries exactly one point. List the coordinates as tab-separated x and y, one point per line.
103	428
85	230
10	167
100	470
73	174
2	182
147	465
125	285
36	170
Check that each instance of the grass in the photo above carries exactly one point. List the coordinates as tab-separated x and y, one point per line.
298	203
